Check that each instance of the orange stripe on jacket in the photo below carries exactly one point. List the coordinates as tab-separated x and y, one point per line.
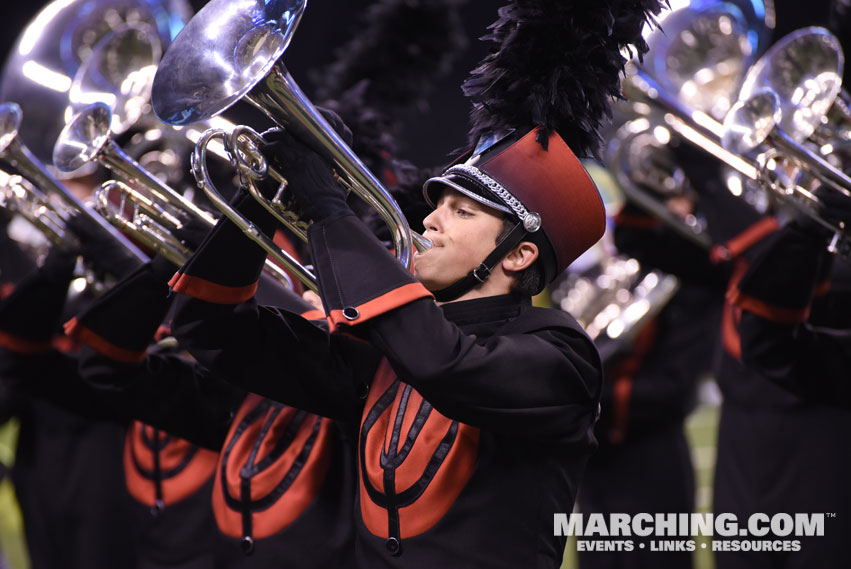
20	345
766	310
744	240
381	304
209	291
77	331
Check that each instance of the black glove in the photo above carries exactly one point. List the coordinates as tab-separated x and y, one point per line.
309	177
836	208
102	251
193	232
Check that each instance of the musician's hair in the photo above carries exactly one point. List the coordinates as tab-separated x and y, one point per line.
529	281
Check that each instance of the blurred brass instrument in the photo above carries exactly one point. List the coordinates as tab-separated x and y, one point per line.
19	156
232	51
810	57
613	298
784	103
40	71
19	196
804	69
119	72
139	203
687	81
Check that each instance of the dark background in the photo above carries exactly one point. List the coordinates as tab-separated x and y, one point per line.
432	133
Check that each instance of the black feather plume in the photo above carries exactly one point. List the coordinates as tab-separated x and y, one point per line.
557	64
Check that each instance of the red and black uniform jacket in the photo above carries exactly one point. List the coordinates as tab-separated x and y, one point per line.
276	475
808	354
476	418
170	478
652	382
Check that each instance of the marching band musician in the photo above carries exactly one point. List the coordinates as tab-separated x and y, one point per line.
778	452
170	479
280	483
644	462
538	413
476	411
787	334
67	471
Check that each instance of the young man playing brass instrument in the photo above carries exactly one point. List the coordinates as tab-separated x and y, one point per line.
474	410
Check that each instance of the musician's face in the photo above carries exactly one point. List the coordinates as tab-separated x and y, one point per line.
463	232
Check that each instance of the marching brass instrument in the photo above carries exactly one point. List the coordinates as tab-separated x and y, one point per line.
19	196
701	49
142	218
40	70
119	73
613	298
784	103
232	50
146	207
14	152
754	122
731	144
86	138
804	69
687	81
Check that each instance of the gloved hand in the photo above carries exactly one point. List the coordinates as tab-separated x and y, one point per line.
836	209
309	177
193	233
103	252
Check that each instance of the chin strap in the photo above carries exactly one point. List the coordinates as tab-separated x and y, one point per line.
481	273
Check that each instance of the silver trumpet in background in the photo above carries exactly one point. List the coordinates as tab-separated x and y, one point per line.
142	218
754	122
119	72
19	196
139	203
732	144
230	51
804	69
19	157
789	113
87	138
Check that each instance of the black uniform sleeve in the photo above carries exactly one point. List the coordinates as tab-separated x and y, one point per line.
540	381
52	376
811	362
168	391
276	354
775	296
271	351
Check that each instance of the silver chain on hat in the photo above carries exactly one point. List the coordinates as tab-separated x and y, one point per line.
531	221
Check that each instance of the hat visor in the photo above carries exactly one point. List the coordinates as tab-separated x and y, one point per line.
433	187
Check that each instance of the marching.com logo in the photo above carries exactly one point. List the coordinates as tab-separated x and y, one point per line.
686	526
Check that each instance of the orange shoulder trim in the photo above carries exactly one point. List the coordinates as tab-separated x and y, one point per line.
22	346
77	331
378	305
766	310
209	291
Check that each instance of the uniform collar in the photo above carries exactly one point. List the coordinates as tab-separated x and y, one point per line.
496	309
